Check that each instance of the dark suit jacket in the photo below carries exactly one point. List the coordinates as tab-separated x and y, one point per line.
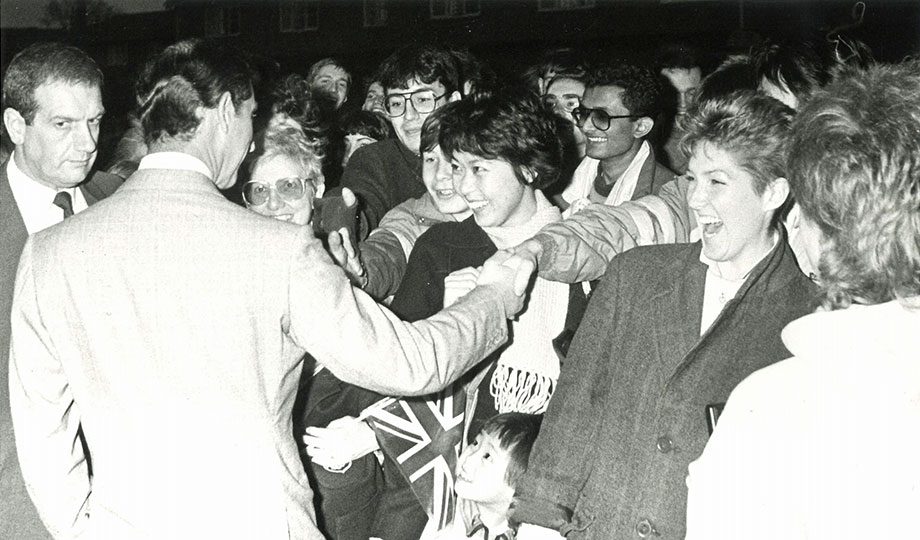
628	414
18	518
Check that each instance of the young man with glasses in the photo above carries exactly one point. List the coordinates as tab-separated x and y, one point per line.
616	114
417	80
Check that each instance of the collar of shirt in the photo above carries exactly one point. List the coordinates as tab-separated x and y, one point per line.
35	201
174	160
476	525
625	185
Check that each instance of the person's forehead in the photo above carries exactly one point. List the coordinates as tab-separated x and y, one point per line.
683	78
414	85
564	85
604	97
58	97
332	70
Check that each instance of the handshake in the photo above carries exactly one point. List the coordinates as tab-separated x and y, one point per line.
507	273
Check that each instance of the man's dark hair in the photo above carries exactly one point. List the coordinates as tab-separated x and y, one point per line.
358	122
44	63
511	125
516	433
736	73
642	88
790	65
427	63
185	76
678	55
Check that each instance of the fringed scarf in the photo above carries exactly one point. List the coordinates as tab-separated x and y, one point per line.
527	370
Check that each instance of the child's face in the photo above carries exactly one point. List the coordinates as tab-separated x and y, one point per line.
481	472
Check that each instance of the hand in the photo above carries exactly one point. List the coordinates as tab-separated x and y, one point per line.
458	283
339	443
531	250
511	274
345	255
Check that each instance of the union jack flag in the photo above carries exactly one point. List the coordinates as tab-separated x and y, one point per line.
423	435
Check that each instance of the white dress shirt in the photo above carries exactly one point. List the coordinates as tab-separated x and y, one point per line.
36	201
174	160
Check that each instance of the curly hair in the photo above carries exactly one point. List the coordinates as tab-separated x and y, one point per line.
289	141
854	167
43	63
511	125
293	99
791	65
358	122
187	75
642	88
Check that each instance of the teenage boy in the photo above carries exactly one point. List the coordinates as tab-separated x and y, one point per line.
616	115
487	474
417	80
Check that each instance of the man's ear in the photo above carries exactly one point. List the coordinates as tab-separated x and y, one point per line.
776	194
642	127
15	125
454	96
226	112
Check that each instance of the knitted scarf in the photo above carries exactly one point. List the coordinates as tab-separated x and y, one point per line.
528	367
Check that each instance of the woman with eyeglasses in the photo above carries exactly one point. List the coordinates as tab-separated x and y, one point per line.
670	330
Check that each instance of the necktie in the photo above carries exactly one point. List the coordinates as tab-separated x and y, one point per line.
62	200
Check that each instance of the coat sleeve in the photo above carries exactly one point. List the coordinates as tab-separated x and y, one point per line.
385	263
566	448
46	419
365	176
365	344
580	247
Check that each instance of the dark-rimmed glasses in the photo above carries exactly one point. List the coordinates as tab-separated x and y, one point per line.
599	117
290	189
423	101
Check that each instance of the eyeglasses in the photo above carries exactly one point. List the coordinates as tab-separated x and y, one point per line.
567	103
289	189
599	117
423	101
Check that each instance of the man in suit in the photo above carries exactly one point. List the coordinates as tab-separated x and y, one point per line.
52	105
173	339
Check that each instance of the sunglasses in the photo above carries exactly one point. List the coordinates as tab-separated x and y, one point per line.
599	117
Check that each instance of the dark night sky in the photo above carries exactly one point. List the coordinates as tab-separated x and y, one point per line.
25	13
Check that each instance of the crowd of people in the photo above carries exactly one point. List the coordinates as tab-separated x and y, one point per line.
604	299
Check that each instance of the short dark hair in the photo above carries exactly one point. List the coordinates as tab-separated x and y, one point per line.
753	127
358	122
431	128
185	76
735	73
512	125
642	88
427	63
678	55
516	433
791	65
43	63
854	168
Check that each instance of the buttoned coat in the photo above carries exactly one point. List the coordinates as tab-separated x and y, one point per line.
170	324
18	518
629	412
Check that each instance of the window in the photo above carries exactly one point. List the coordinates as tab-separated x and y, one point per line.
563	5
449	9
222	21
375	13
298	15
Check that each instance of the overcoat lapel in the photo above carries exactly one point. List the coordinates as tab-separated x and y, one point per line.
681	301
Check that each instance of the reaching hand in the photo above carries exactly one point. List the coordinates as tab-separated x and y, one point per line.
511	274
531	250
339	443
458	283
345	255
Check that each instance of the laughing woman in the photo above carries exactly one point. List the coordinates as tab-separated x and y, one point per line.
669	332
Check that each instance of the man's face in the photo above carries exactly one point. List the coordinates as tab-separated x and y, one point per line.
618	138
239	143
59	147
408	127
373	101
686	82
334	80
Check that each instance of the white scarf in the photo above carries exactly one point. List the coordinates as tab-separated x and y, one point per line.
528	367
